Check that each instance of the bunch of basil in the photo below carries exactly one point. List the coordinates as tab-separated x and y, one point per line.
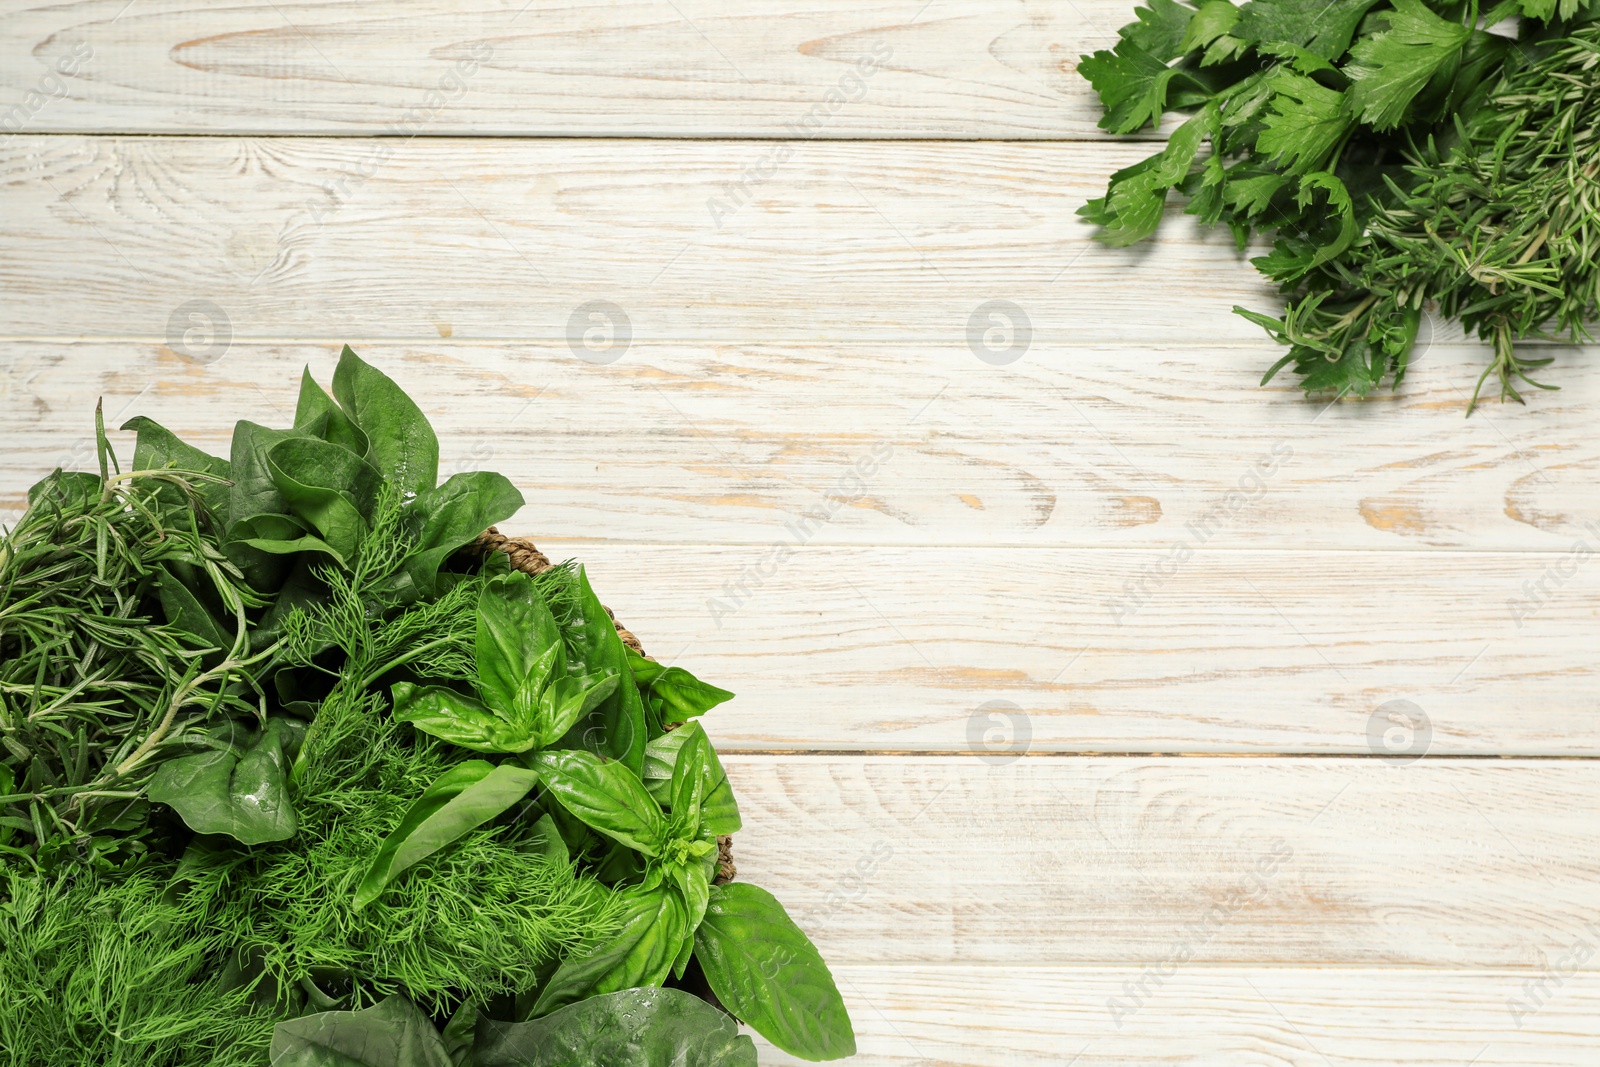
340	523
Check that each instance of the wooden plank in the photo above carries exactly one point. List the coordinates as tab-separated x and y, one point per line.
367	239
1095	446
351	240
1168	863
1216	1017
770	68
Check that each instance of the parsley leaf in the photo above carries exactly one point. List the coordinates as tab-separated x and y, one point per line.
1324	27
1391	68
1305	123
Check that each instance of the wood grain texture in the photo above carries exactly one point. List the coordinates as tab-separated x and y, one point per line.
753	444
915	1014
366	239
694	68
1164	863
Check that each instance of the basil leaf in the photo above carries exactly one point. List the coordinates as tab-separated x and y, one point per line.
401	444
518	646
391	1034
605	796
462	799
628	1028
318	415
460	720
451	515
768	974
719	811
329	487
689	779
695	889
157	448
566	700
685	694
615	728
241	791
641	953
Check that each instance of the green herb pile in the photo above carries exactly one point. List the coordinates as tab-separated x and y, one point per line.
290	773
1401	153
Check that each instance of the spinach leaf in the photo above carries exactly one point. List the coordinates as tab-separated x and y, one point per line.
393	1033
157	448
449	516
605	796
329	487
277	535
766	971
318	415
616	727
65	489
185	611
254	492
240	790
401	444
628	1028
460	720
462	799
641	953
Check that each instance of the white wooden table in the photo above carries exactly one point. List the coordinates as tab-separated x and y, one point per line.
1060	679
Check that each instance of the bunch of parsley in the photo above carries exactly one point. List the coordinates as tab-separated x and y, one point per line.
1398	152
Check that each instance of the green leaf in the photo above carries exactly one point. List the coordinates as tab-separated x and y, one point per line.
451	515
462	799
1132	85
393	1033
519	646
185	611
605	796
1214	20
329	487
1389	69
401	443
641	954
615	728
1133	206
319	416
1161	28
568	699
1305	124
279	535
628	1028
157	448
1317	25
719	811
240	790
690	778
460	720
768	974
254	492
687	695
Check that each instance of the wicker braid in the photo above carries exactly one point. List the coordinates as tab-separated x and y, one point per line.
526	558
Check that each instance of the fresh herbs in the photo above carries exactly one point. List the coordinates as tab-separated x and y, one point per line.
1402	153
378	798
